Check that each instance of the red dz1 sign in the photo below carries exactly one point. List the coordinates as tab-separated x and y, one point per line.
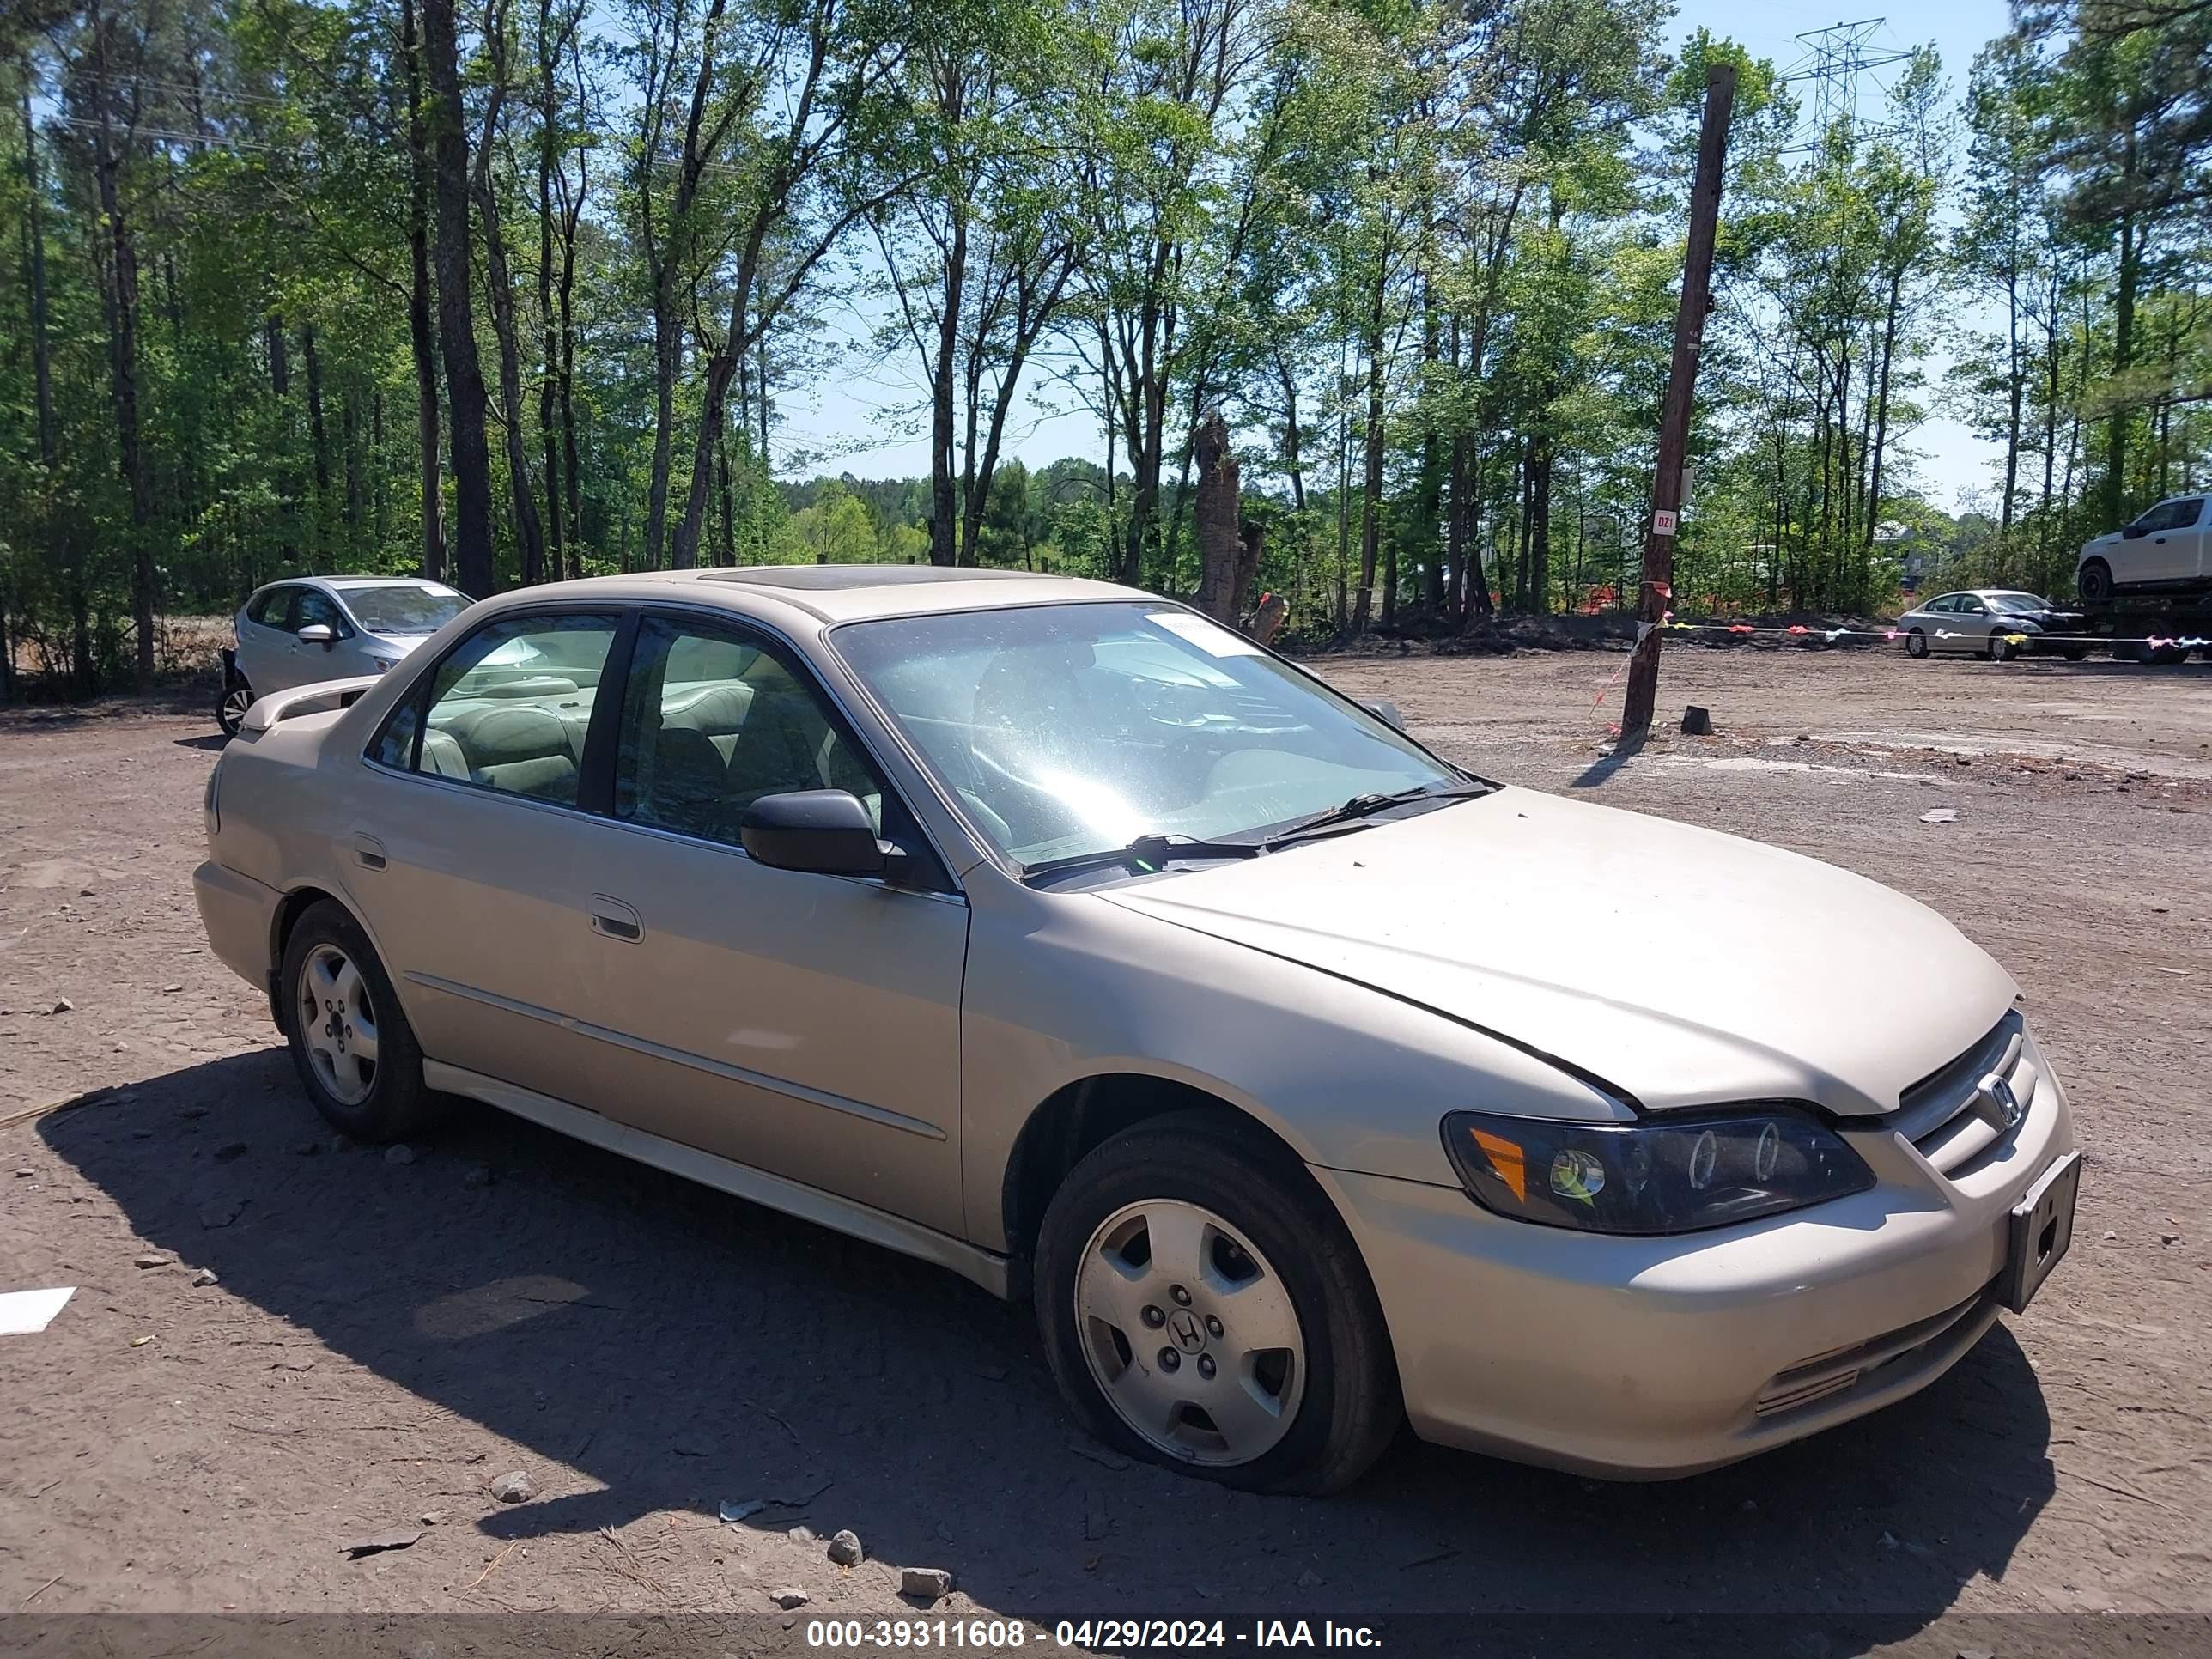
1662	522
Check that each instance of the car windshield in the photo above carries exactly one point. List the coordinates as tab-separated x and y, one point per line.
404	608
2016	601
1071	729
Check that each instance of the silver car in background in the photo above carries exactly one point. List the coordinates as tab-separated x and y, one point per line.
1997	623
327	628
1056	933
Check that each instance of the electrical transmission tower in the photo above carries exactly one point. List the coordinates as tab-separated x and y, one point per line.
1834	59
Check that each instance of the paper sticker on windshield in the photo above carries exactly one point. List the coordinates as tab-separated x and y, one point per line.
1208	636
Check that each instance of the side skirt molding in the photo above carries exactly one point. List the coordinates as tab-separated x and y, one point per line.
992	1271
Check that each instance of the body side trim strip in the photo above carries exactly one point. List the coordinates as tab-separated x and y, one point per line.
860	1108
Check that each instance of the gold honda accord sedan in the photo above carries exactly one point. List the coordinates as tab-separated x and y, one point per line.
1051	931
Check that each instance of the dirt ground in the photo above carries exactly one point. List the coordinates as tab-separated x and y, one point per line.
384	1340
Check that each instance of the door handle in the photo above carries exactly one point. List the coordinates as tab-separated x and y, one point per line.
368	852
612	919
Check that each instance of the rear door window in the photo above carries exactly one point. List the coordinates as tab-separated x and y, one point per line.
508	709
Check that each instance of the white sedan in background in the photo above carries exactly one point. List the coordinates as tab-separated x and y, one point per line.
327	628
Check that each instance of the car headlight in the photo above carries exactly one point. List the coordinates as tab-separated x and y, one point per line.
1670	1174
2025	626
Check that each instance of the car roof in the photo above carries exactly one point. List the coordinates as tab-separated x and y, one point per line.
833	594
346	584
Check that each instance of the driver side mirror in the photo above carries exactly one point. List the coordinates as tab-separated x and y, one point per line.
2134	531
1384	709
823	832
320	634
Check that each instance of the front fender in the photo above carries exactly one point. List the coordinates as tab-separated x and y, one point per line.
1061	987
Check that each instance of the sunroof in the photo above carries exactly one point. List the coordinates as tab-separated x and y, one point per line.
818	578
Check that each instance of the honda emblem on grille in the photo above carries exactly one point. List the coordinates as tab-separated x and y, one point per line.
1996	1104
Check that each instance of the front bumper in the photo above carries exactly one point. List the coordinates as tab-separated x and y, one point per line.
1645	1359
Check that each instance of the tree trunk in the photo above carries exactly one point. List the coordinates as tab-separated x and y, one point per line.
318	436
1370	527
1218	546
1290	434
2123	343
667	353
123	357
1539	522
349	449
1881	418
465	384
549	335
943	505
70	572
1433	461
667	263
729	503
528	529
422	337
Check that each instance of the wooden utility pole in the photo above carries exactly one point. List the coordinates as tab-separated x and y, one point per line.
1674	414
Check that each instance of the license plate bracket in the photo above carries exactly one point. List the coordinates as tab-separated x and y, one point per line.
2040	1228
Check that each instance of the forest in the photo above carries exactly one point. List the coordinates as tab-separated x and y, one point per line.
507	291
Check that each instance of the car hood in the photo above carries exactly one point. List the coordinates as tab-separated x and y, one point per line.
2110	538
1681	966
404	644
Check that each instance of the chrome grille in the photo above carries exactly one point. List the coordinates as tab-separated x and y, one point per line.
1946	1114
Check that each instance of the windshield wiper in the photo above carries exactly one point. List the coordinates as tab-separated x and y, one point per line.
1361	807
1146	854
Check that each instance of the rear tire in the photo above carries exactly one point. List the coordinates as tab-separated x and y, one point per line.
230	707
2076	655
350	1040
1307	1343
2096	580
1916	646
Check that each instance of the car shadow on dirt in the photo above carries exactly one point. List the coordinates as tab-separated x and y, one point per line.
676	1349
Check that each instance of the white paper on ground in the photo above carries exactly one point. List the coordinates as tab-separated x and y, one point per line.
25	1313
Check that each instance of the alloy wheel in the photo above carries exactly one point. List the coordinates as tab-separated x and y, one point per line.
231	713
338	1022
1189	1332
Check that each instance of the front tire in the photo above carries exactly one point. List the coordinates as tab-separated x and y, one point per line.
2096	580
230	707
350	1043
1203	1308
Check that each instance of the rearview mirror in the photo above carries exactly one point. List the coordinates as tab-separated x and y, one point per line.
824	832
319	633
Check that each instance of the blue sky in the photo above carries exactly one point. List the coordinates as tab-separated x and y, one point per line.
862	415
